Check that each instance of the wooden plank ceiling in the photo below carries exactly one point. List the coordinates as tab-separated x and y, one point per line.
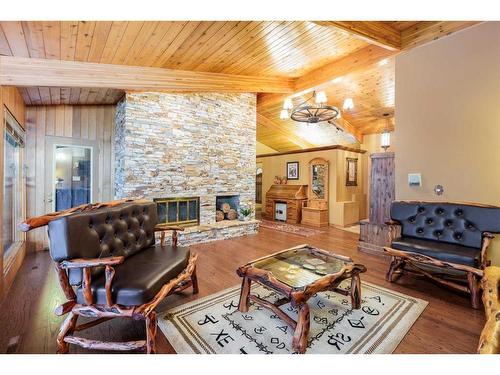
346	59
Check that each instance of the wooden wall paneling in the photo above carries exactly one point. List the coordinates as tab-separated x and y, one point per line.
84	124
50	121
382	187
107	151
59	120
76	121
40	128
92	121
31	116
374	233
65	121
68	121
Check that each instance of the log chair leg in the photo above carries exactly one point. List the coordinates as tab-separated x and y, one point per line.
299	341
475	290
151	327
395	265
66	328
356	292
245	292
194	281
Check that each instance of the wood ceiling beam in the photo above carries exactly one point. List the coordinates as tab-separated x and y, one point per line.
264	121
322	76
18	71
349	128
373	32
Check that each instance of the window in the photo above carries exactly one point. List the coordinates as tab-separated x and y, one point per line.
12	183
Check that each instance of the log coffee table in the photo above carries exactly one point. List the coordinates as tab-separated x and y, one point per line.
297	274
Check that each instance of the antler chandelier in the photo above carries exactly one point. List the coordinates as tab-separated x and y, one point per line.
313	110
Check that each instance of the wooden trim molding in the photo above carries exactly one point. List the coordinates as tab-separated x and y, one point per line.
20	71
314	149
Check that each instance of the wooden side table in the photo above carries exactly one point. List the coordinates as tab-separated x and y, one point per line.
297	274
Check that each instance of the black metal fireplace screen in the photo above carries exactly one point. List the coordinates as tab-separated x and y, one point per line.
179	211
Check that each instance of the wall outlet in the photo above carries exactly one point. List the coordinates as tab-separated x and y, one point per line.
414	179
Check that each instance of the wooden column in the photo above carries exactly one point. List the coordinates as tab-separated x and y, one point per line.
374	233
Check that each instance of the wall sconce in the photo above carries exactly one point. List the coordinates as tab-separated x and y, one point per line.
385	140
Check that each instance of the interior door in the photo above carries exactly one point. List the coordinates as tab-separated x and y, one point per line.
71	173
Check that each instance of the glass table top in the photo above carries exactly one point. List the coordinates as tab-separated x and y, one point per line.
301	266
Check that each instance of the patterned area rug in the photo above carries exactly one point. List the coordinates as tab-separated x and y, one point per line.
213	324
289	228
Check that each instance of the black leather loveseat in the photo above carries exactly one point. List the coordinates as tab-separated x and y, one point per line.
109	265
442	236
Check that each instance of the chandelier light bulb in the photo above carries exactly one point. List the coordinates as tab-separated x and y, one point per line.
288	104
283	114
348	104
320	97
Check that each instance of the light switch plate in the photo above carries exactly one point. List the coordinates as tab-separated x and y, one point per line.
414	179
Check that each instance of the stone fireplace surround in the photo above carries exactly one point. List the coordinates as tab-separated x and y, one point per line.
180	145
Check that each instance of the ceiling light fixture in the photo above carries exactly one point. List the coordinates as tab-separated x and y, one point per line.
312	110
348	104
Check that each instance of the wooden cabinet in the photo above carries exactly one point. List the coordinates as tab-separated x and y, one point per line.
316	212
293	195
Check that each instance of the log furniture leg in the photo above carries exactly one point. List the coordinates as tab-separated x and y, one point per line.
151	327
356	292
299	341
475	290
67	328
396	264
245	292
194	281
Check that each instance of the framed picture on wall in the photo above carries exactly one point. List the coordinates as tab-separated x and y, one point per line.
292	170
351	172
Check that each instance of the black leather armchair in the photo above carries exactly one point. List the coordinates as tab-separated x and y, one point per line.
437	237
109	265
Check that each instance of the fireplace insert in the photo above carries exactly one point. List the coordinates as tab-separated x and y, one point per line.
180	211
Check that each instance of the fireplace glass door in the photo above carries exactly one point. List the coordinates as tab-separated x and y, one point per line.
179	211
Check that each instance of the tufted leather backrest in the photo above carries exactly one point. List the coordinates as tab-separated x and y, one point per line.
455	223
117	231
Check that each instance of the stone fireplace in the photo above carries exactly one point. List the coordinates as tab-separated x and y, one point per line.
177	146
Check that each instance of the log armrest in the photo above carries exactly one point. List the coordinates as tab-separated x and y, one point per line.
394	229
487	238
93	262
162	228
87	264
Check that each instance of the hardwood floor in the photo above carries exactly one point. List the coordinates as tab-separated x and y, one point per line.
27	321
